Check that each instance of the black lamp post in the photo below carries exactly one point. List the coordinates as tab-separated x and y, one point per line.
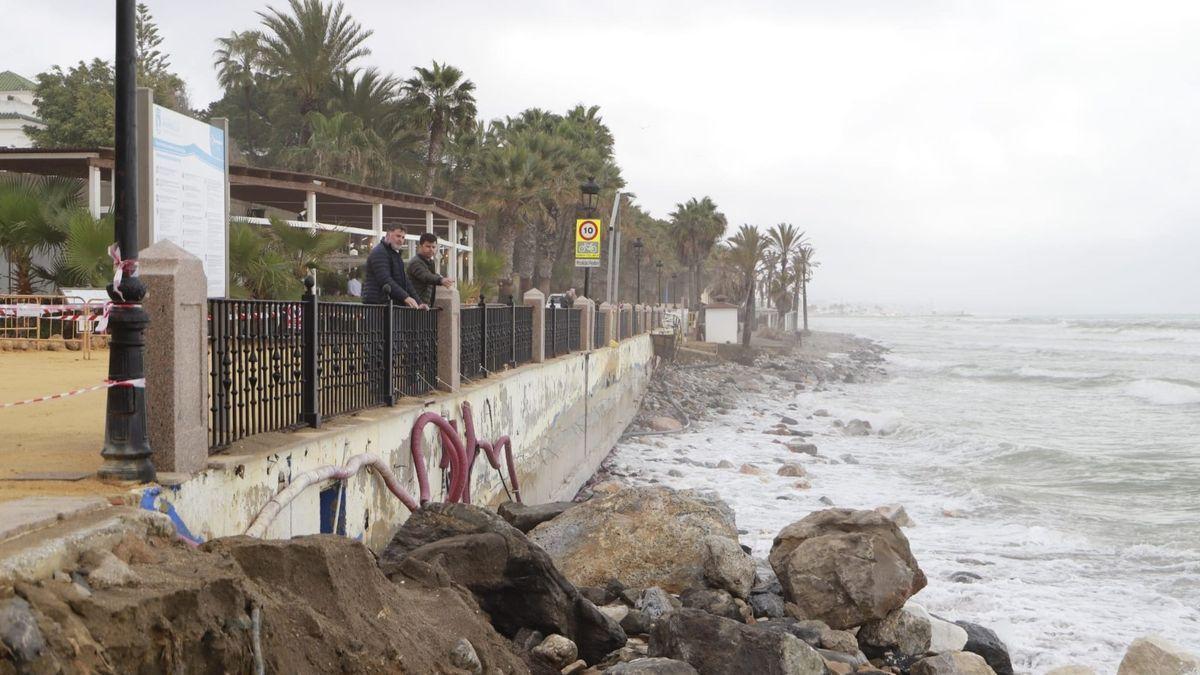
658	267
126	450
589	194
671	287
637	256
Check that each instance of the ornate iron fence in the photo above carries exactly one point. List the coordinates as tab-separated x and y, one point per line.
574	329
499	328
279	365
470	324
600	330
623	324
523	335
556	331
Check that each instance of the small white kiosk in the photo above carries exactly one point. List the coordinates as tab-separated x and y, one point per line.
721	323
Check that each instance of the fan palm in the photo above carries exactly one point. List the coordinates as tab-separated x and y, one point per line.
444	102
31	209
257	267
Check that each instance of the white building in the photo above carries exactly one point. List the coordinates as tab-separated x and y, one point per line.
721	323
16	110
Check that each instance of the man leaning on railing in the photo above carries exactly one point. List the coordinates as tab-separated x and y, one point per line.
385	274
421	270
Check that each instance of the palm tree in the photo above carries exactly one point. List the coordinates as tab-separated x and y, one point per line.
305	248
309	47
804	269
696	227
238	60
339	146
257	268
746	253
31	211
367	94
444	102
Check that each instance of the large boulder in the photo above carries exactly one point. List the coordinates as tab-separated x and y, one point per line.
984	642
901	633
845	567
1152	655
952	663
643	537
715	645
513	579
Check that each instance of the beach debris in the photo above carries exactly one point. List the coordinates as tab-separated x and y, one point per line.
663	423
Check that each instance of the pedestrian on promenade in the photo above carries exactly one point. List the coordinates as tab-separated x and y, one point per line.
421	270
385	276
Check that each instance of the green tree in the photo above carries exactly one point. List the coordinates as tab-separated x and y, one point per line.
696	226
746	249
785	240
339	147
307	48
31	211
76	105
82	259
153	64
444	102
257	268
238	60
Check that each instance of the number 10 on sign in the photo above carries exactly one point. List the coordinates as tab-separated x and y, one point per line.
587	242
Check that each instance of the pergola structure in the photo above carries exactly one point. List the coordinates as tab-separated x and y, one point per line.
315	202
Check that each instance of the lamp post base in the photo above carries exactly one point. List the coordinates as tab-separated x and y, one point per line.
126	450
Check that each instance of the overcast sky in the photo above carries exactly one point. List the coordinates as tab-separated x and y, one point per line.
1009	157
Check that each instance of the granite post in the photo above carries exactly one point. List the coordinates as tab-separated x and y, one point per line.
537	300
446	301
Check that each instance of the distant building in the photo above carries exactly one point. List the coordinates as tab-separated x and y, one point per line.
17	110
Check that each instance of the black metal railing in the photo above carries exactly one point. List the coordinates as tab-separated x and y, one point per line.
623	324
523	335
556	331
574	329
255	368
470	325
600	330
498	337
279	365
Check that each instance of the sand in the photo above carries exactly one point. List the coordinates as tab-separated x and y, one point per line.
59	435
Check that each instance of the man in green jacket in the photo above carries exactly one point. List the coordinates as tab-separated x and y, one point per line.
421	270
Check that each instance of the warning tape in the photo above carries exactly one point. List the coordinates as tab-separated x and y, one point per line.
139	383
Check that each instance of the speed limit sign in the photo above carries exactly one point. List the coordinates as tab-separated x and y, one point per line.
587	242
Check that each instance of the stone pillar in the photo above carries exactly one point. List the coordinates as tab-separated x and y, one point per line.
177	368
607	310
310	209
587	321
93	191
537	300
449	338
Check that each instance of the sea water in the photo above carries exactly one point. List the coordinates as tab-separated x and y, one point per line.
1056	459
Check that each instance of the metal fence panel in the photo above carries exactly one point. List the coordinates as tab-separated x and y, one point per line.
523	335
351	365
414	350
471	343
574	326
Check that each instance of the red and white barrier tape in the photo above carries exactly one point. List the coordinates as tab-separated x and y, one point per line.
139	383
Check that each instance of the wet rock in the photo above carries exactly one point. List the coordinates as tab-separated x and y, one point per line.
963	577
636	622
784	419
792	470
952	663
802	484
715	645
525	517
750	470
826	501
596	595
820	412
19	631
717	602
1152	655
857	428
807	630
646	536
557	650
896	514
984	642
652	666
845	567
726	566
945	636
663	423
802	448
725	464
463	657
655	603
675	473
849	459
767	605
514	580
1071	670
900	632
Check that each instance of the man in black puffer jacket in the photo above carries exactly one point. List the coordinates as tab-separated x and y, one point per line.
384	275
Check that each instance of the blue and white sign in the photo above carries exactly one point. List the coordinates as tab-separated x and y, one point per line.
189	190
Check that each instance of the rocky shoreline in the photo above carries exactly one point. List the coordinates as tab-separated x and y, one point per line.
632	577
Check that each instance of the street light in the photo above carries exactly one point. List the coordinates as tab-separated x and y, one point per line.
589	195
658	266
671	287
637	256
126	450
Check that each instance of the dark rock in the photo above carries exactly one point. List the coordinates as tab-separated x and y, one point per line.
857	428
984	642
596	595
714	645
525	517
849	459
655	603
963	577
809	631
19	630
853	660
767	605
527	639
652	666
826	501
845	567
636	623
716	602
789	420
513	580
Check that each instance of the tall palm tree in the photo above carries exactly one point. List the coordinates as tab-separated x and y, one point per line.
696	226
367	94
309	47
444	101
804	269
784	239
339	146
238	59
746	253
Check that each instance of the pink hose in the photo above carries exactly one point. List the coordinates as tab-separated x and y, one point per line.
454	455
492	452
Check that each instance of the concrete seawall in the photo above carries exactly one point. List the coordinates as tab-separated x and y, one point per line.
563	417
